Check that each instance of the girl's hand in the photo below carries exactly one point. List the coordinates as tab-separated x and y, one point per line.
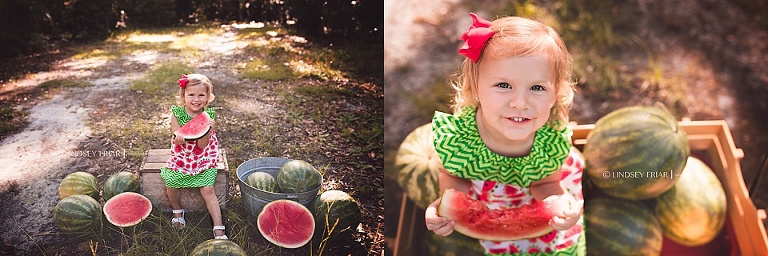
440	225
178	140
568	210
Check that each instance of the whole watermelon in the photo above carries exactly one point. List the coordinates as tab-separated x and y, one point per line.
636	152
218	247
336	212
455	244
297	176
419	167
77	213
620	227
693	211
121	182
79	183
263	181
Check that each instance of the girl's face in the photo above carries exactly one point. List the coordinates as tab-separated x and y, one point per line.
195	97
516	96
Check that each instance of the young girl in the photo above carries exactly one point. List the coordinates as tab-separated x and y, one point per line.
193	163
508	143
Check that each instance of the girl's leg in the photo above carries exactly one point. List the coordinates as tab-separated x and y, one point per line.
174	197
175	200
212	203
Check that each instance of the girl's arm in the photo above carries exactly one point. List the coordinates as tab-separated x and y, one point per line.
448	180
440	225
549	189
548	186
202	142
175	126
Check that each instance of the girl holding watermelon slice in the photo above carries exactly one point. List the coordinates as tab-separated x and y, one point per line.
193	159
508	142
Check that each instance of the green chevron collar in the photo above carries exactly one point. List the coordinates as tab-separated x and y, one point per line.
464	154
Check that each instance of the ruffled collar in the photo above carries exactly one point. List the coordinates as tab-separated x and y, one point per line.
182	117
464	154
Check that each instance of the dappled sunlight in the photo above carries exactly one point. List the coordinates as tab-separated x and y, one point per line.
305	69
144	57
151	38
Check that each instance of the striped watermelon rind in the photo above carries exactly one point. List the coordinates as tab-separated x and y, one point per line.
195	128
286	223
262	181
336	212
127	209
298	176
693	211
77	213
617	227
218	247
121	182
79	183
638	140
419	167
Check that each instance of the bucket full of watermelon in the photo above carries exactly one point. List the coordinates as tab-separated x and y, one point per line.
266	179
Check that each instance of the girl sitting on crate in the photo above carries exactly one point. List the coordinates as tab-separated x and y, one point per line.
193	162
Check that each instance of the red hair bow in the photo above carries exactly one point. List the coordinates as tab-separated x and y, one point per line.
475	38
183	81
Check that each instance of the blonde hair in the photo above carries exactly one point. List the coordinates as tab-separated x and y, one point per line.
197	79
521	37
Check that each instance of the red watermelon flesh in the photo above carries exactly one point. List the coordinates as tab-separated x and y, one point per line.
286	223
127	209
474	219
195	128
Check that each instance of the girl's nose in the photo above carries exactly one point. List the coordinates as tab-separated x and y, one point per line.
518	101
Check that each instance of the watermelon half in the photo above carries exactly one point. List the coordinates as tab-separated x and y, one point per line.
286	223
474	219
195	128
127	209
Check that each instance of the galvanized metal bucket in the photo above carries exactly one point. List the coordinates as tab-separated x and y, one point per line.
255	199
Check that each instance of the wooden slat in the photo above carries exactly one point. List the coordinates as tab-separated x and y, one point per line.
404	240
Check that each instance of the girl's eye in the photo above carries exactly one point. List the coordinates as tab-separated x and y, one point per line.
538	88
504	85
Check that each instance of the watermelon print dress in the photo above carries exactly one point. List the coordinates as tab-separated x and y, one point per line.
503	182
189	165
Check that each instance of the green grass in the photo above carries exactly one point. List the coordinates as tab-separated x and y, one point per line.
63	83
161	82
14	120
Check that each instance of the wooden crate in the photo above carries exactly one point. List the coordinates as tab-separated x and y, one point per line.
712	138
153	187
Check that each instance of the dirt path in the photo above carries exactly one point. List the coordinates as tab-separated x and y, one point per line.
51	146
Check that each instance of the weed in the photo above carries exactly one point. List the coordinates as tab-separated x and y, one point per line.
14	120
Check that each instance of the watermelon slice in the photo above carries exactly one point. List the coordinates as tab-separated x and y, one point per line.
286	223
474	219
127	209
195	128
